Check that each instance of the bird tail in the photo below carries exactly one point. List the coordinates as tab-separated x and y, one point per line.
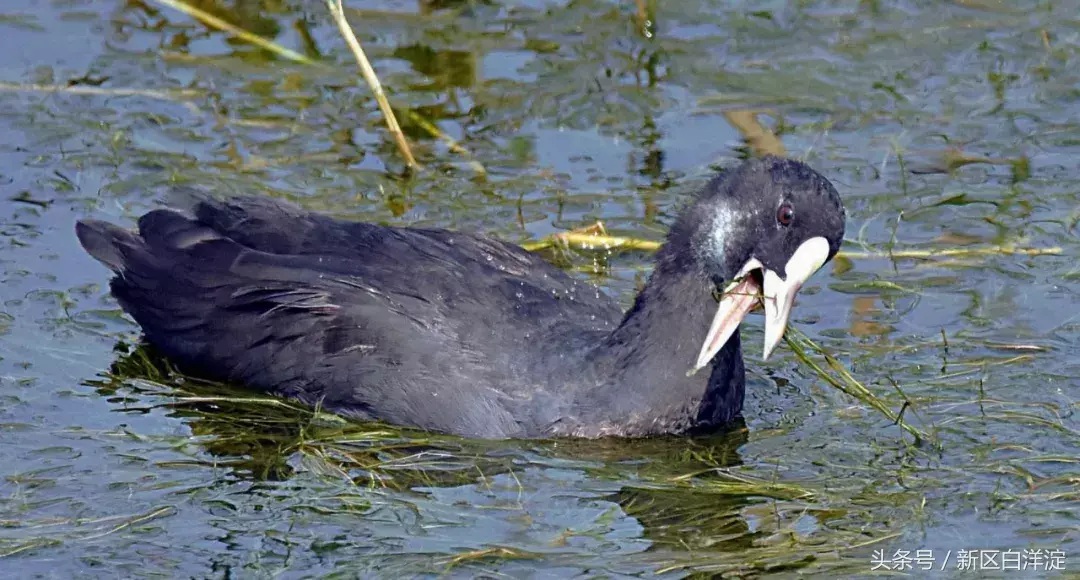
109	244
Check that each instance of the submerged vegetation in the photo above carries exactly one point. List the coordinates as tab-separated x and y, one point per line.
926	398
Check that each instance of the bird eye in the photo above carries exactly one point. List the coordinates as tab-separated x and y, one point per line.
785	214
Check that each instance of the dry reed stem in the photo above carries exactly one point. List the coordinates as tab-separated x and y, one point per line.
591	241
452	144
215	22
956	252
163	94
338	12
760	139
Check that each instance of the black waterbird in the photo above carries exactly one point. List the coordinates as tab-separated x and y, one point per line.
466	334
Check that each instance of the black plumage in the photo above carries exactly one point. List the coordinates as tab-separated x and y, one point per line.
456	332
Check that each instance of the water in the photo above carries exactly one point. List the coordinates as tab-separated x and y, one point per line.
578	112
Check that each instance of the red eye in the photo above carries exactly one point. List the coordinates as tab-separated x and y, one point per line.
785	214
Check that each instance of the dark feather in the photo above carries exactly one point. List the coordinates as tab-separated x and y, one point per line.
445	330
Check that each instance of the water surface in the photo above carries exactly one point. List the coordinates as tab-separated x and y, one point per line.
944	125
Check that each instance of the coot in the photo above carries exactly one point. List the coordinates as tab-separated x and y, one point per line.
465	334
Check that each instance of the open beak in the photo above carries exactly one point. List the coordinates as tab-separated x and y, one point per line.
778	295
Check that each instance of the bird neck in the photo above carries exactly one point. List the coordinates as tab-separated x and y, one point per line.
643	365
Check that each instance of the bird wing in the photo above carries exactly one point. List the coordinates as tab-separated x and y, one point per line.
421	327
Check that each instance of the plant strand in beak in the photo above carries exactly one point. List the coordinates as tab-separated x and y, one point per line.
738	300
